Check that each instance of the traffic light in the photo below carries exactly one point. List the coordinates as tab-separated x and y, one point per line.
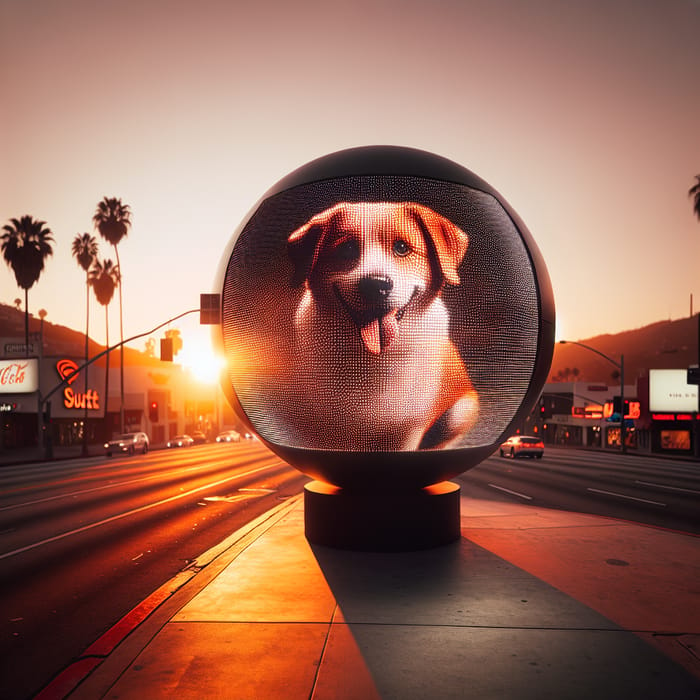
209	309
545	408
153	412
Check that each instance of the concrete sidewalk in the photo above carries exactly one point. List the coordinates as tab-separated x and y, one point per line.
530	603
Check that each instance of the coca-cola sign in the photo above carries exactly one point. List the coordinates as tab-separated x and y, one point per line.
19	376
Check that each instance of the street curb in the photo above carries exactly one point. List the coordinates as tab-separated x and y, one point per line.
213	561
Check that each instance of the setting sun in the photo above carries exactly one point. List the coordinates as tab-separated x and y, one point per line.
198	357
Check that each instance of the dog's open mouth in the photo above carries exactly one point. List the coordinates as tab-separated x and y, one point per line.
378	330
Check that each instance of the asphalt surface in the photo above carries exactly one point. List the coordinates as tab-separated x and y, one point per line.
84	541
654	490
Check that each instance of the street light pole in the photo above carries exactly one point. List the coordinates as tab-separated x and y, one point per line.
622	404
621	366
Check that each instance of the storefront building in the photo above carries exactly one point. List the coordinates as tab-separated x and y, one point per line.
48	398
661	415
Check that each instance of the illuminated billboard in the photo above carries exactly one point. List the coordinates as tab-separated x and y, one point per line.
384	312
19	376
669	391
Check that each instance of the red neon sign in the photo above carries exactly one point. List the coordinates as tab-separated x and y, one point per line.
89	400
673	416
634	410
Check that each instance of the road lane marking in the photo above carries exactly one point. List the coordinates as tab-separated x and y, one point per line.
141	509
229	499
75	493
116	484
631	498
514	493
670	488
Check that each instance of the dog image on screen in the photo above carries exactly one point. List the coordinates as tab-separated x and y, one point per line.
375	368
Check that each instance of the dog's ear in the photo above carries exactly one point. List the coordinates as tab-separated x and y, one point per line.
446	242
304	244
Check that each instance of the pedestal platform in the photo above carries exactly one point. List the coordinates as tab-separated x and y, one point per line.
382	520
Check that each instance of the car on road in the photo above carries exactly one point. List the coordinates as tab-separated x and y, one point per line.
522	446
127	442
229	436
199	437
181	441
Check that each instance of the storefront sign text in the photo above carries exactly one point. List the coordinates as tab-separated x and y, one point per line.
19	376
89	399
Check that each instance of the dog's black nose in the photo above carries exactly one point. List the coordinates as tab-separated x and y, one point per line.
374	288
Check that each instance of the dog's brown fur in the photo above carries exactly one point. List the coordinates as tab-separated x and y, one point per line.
374	354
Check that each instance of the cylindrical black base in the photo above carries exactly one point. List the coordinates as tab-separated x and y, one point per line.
382	520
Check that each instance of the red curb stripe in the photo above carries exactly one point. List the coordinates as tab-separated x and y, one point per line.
66	681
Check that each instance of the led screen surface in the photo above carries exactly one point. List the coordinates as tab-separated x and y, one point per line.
380	313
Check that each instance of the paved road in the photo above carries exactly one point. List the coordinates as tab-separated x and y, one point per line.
653	490
83	541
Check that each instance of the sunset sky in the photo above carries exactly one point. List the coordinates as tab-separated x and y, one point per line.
584	115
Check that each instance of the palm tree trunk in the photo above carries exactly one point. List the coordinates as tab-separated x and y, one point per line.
107	429
87	330
26	322
121	347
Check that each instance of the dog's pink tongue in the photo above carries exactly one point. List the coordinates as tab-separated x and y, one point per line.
380	333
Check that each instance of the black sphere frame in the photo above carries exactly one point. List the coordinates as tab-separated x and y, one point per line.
354	470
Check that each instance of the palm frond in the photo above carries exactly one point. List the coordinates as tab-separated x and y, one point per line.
694	192
112	219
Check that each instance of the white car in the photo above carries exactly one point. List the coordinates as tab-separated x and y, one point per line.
522	446
181	441
128	442
229	436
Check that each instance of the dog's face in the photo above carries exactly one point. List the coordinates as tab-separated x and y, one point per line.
376	262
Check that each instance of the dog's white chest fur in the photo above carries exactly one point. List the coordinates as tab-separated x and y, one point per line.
354	399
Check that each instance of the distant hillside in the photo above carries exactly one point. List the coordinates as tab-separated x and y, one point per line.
662	345
61	340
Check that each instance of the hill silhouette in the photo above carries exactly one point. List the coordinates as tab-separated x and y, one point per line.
661	345
61	340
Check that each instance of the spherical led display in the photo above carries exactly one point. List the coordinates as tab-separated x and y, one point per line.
385	316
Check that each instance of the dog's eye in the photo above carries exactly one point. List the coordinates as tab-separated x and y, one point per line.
401	248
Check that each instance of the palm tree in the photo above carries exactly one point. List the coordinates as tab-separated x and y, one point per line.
104	278
25	246
113	219
694	192
85	251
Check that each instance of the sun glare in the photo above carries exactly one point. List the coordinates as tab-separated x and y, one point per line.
198	357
